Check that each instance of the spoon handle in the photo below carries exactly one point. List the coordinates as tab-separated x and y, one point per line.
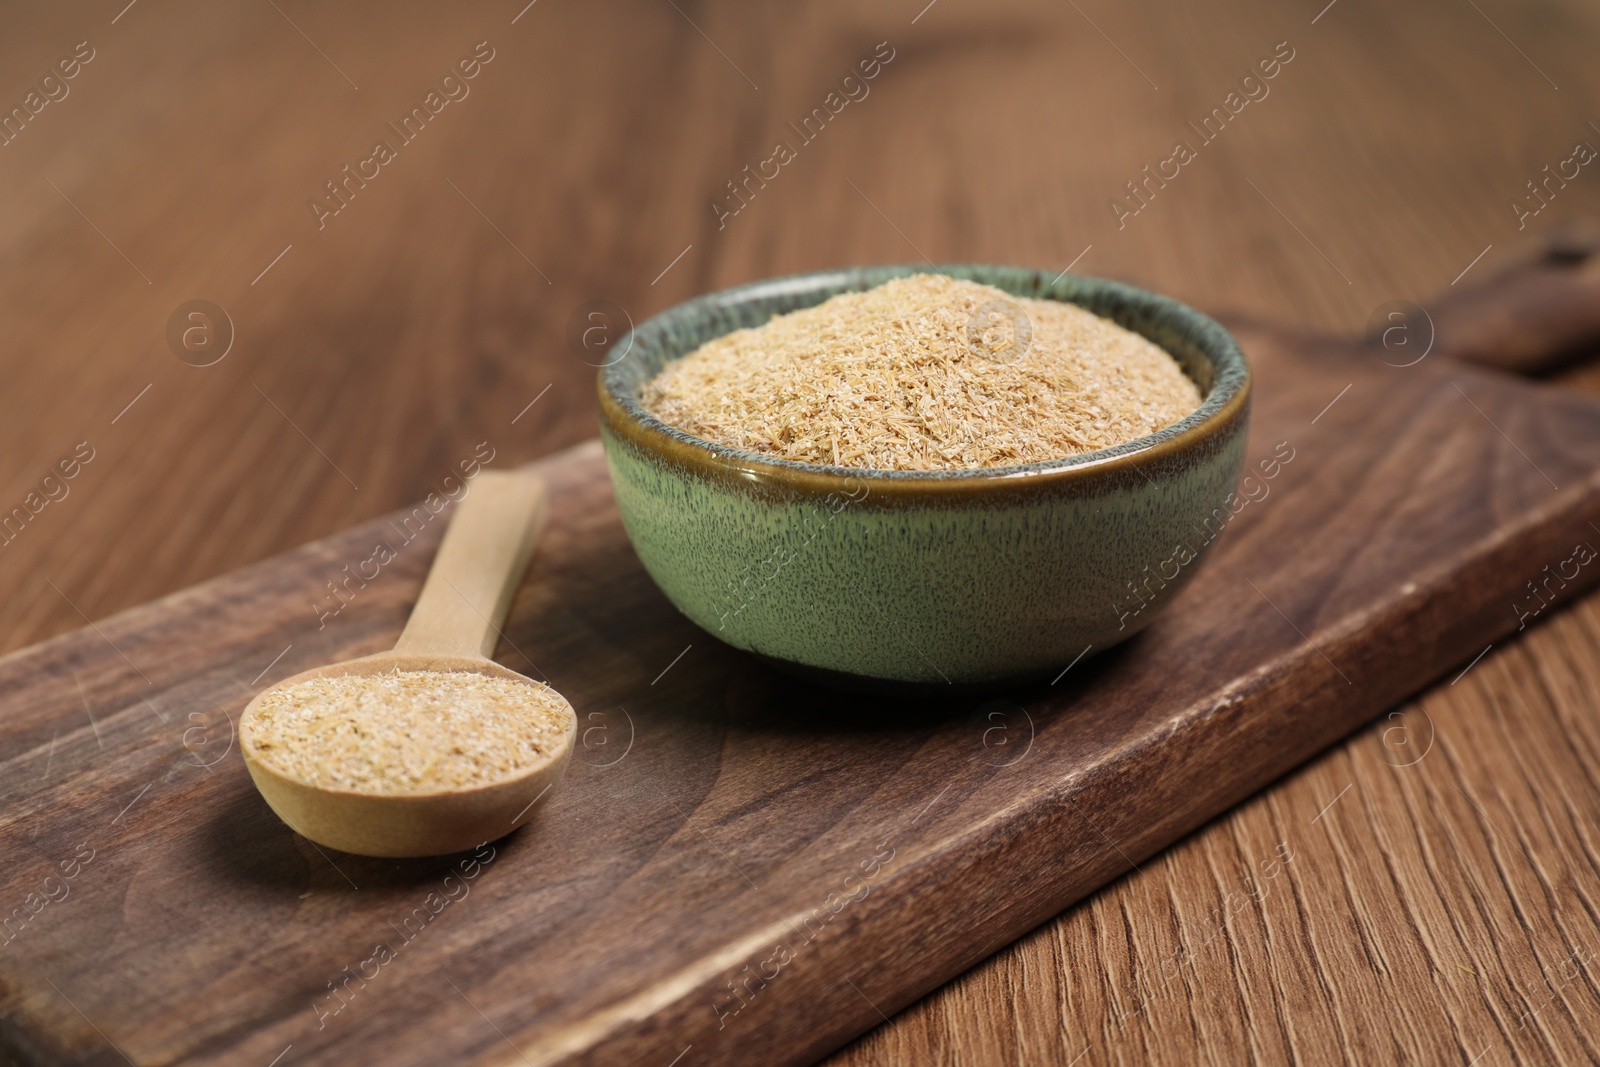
478	568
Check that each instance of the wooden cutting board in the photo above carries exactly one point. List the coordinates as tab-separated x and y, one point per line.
739	867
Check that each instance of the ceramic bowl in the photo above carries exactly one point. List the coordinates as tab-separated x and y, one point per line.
972	578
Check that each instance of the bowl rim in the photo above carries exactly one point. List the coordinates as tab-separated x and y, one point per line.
1219	411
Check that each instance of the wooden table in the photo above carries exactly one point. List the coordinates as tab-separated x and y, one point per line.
1438	898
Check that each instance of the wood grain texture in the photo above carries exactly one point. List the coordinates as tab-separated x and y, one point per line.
1390	150
767	866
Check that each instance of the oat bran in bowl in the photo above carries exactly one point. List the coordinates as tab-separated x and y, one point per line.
982	529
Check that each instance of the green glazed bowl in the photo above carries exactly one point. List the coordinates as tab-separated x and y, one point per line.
975	578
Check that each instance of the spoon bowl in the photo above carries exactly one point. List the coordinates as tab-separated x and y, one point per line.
454	626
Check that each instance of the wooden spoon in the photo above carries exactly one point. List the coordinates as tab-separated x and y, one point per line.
454	627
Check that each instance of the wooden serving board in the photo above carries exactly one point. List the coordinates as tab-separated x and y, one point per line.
740	868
